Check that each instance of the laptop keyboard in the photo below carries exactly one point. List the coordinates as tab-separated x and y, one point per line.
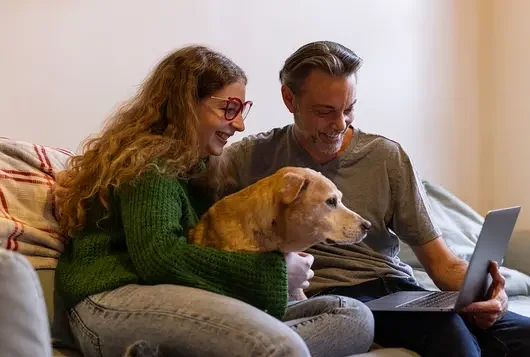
435	299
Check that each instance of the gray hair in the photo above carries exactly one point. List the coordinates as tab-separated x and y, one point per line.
327	56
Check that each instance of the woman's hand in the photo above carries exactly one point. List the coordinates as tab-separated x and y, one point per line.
298	270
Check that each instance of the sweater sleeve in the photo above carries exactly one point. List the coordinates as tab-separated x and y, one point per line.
153	210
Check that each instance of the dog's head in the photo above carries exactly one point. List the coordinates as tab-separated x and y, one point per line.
311	211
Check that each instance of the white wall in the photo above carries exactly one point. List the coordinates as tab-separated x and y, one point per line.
65	65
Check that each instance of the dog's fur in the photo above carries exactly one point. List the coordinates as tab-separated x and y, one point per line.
288	211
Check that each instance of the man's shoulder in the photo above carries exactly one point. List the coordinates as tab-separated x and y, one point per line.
271	137
379	144
264	141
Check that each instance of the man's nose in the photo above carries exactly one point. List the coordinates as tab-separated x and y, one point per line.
339	122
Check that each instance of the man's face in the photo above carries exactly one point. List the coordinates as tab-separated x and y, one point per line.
323	111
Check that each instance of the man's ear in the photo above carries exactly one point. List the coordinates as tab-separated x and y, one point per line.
292	185
288	98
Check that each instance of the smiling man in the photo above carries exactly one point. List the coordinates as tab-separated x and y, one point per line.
380	183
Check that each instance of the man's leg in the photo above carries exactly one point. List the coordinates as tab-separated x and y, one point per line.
510	337
428	334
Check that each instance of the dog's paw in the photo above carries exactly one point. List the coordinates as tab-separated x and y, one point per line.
142	348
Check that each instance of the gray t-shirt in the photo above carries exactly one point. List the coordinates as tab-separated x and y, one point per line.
378	182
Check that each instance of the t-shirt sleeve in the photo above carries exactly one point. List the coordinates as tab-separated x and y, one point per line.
412	219
233	167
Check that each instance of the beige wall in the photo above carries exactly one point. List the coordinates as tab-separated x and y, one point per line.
66	64
505	83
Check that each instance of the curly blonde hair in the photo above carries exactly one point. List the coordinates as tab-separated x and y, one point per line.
160	121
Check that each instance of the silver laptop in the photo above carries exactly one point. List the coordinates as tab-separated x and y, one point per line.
491	246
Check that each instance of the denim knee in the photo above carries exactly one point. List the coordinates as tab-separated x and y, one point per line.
333	325
279	343
357	321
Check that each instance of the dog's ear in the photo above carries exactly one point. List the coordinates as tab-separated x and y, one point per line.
292	185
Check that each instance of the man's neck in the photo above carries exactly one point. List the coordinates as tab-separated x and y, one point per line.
319	157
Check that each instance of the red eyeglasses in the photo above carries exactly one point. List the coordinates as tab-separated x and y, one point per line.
234	106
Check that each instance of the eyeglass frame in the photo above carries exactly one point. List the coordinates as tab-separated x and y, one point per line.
242	106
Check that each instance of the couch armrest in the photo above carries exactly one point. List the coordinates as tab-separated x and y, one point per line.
518	253
24	327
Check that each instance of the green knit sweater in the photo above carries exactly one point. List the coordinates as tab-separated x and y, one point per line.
144	242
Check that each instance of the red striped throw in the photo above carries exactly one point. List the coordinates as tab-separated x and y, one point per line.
27	222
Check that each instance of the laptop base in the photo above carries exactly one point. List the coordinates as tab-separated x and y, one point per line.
394	302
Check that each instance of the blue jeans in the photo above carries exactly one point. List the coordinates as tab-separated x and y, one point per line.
189	322
439	334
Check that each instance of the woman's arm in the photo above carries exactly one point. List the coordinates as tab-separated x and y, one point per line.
153	211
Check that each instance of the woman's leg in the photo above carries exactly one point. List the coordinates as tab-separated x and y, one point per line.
182	321
332	325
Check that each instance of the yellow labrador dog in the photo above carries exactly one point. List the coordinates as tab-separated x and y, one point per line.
288	211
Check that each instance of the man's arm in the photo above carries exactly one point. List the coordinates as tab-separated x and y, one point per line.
443	266
448	271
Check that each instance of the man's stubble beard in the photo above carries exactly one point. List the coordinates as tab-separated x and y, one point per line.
314	139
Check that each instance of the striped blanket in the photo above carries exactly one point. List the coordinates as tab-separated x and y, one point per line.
27	221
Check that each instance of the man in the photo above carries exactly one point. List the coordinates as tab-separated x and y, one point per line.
380	183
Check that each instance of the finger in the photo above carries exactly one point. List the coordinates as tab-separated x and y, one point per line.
310	274
490	306
304	285
496	274
490	294
303	254
309	260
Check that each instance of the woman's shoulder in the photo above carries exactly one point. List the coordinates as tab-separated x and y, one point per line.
154	178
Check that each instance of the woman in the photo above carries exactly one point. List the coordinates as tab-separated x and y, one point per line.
128	273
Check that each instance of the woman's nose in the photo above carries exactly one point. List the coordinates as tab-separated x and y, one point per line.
238	124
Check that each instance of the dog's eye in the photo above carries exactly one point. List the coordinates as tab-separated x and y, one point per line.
332	202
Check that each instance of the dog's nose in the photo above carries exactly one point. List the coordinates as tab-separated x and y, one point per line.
366	224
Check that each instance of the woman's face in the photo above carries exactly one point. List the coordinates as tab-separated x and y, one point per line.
214	127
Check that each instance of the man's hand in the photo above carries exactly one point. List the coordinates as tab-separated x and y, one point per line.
485	313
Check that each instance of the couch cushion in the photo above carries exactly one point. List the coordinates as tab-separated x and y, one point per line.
60	329
46	278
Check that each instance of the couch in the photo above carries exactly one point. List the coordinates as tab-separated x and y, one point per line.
27	173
